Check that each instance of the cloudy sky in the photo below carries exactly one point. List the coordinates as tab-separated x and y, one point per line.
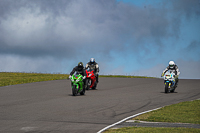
126	37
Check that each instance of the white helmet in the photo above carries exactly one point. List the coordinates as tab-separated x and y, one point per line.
92	60
171	64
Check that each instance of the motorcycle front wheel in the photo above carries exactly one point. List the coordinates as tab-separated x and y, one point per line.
88	84
74	90
166	87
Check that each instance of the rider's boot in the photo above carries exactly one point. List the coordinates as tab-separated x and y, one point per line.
97	78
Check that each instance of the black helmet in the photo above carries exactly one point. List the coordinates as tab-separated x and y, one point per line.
80	65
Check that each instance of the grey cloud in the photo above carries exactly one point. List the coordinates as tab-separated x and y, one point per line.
35	52
182	9
191	51
72	29
16	63
193	46
186	7
71	24
56	7
189	69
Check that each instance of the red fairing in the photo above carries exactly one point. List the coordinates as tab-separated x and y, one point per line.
90	75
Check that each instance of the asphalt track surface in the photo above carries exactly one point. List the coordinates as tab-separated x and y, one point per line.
49	107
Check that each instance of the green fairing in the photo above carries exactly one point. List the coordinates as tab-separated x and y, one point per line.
77	80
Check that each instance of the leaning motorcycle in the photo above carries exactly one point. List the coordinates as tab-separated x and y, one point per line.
90	79
77	84
169	81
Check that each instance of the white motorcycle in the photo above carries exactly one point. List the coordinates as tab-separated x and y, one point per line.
169	81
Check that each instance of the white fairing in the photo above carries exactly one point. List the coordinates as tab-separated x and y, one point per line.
169	75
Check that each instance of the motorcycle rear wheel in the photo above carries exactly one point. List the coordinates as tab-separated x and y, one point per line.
173	89
95	85
88	84
82	92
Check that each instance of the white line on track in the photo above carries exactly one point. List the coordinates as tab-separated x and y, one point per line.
125	120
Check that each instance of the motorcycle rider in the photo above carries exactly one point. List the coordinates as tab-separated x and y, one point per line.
172	66
80	69
94	66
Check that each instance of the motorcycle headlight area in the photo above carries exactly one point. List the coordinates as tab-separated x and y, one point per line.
168	76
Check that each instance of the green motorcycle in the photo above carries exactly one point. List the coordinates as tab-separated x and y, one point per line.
77	84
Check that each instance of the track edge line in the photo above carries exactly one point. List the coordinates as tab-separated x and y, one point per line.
126	119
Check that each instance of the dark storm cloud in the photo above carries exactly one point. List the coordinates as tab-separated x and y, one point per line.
63	27
34	51
186	7
59	28
182	9
9	7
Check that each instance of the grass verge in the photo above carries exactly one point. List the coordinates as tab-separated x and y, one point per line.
10	78
152	130
123	76
184	112
13	78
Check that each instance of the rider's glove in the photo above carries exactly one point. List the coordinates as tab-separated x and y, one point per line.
162	74
84	77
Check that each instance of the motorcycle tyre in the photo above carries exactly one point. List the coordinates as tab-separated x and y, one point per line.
173	89
95	85
74	91
166	87
87	86
82	92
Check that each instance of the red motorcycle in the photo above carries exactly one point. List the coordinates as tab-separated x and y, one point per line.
90	79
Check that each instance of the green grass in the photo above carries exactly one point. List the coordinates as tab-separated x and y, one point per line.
152	130
184	112
10	78
13	78
123	76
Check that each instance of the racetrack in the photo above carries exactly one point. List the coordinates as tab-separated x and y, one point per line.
50	107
